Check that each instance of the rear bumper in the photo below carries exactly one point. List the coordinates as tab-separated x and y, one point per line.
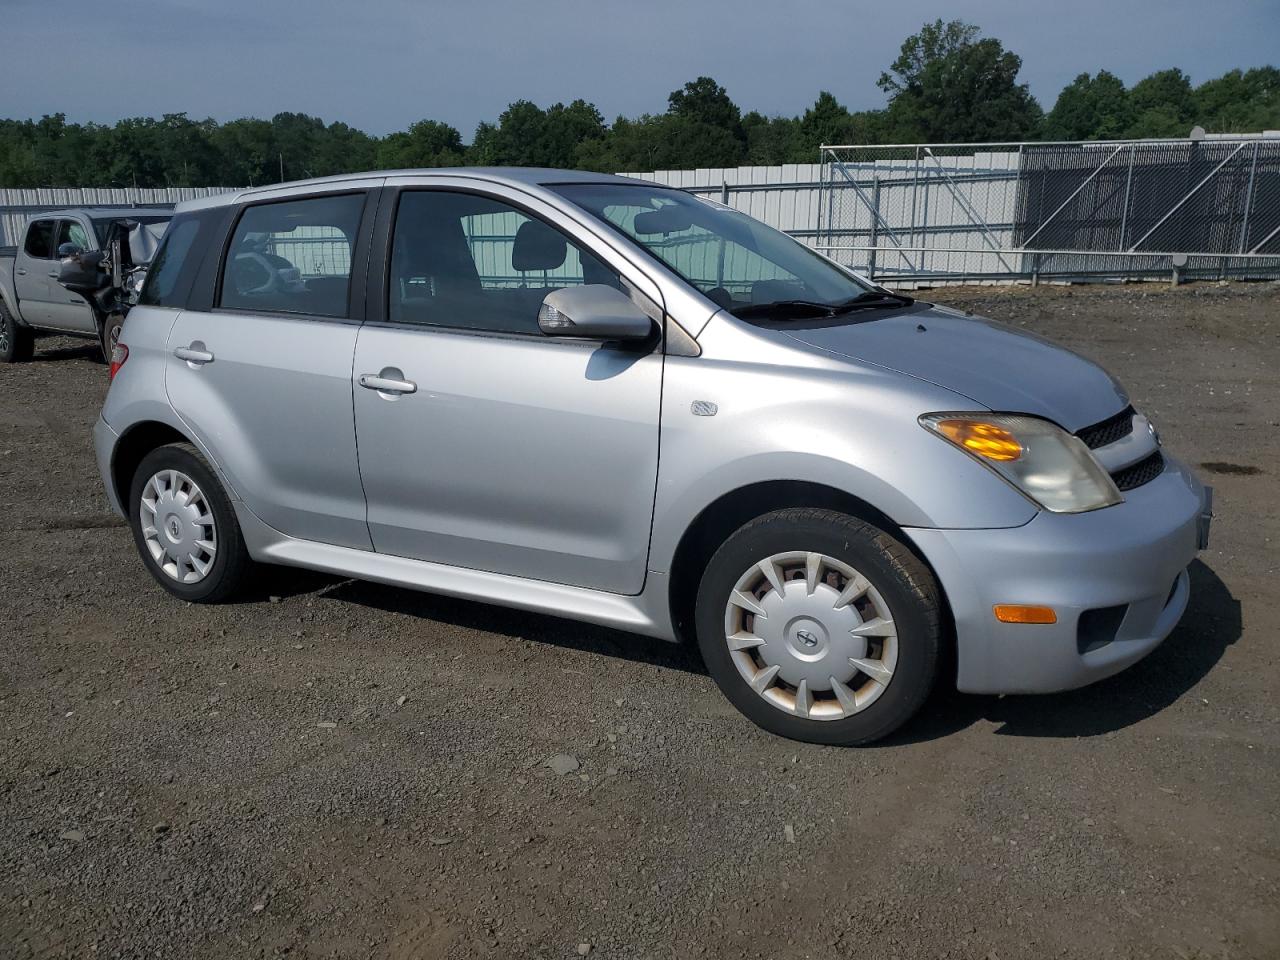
1129	562
104	445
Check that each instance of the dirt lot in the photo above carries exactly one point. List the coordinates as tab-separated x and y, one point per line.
337	769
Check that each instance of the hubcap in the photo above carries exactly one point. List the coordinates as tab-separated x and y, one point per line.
178	526
4	332
811	635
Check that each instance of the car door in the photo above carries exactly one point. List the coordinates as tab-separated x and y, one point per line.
34	269
502	449
263	377
66	310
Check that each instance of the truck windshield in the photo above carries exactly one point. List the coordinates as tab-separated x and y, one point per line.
741	264
102	224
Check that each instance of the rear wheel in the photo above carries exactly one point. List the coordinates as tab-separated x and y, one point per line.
820	627
17	343
184	526
109	335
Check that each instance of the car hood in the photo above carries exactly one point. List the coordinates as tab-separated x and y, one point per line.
999	368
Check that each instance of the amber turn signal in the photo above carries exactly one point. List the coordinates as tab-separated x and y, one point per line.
1017	613
984	439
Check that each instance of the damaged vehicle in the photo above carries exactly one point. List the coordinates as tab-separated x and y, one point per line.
75	273
612	401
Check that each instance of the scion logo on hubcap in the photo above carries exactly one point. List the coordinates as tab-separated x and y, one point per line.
807	638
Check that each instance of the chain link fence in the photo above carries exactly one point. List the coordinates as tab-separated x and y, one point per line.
1194	209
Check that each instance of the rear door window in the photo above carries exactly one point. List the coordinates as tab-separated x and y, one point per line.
39	242
293	256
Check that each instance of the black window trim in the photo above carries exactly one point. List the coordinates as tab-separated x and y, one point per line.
359	256
53	239
378	290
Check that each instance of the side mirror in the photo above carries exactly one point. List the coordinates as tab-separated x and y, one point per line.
595	311
69	250
83	274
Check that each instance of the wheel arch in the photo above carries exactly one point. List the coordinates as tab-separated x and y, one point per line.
134	444
719	519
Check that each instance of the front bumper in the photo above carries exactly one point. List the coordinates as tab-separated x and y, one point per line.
1128	562
104	445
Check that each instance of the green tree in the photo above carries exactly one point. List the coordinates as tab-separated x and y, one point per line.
427	143
1090	108
950	84
1239	102
528	136
1163	105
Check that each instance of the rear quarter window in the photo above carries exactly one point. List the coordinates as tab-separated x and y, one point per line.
176	262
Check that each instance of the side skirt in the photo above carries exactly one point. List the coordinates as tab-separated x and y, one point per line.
646	614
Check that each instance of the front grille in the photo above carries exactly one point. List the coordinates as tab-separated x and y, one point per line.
1144	471
1109	430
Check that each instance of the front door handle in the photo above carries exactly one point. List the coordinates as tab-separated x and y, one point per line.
55	274
389	380
196	354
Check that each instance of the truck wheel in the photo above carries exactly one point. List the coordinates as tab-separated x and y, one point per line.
109	335
820	627
184	526
17	344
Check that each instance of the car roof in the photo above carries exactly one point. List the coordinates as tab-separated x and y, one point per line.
101	212
511	176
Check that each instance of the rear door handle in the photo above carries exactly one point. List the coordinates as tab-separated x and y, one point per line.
21	271
387	384
194	354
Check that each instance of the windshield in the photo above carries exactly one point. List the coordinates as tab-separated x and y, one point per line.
744	266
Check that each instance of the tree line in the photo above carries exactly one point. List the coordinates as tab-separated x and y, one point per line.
948	84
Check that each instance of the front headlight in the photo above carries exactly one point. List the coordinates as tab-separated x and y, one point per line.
1042	460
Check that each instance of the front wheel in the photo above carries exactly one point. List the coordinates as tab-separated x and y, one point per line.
17	343
820	627
184	526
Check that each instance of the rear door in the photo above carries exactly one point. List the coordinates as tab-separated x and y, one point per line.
506	450
262	374
67	310
33	271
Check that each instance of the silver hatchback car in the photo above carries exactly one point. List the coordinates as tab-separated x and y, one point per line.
610	400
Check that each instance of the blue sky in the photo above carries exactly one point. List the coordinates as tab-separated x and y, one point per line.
382	64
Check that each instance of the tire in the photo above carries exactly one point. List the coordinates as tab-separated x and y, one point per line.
180	527
17	343
895	604
108	334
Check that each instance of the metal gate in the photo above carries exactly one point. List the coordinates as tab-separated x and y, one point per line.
1197	208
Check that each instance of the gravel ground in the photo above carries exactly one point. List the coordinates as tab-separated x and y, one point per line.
338	769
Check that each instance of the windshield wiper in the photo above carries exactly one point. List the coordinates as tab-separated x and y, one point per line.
797	309
873	298
786	308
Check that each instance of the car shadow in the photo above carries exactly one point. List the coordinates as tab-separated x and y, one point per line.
1211	623
88	350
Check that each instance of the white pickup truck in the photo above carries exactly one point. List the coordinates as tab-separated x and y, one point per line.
33	302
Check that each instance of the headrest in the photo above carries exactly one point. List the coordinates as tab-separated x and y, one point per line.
538	247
